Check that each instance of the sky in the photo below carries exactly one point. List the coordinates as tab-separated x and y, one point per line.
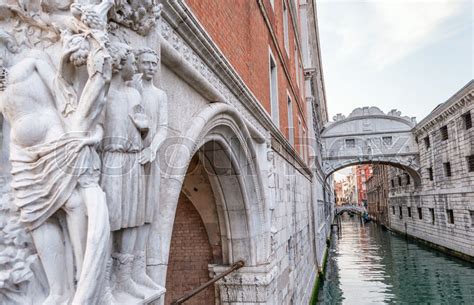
409	55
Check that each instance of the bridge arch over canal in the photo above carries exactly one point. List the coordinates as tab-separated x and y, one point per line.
370	136
350	208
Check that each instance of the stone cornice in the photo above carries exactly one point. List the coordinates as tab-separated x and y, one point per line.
459	100
400	119
182	31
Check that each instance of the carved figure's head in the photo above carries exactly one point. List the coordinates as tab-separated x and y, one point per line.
8	45
147	62
81	49
123	60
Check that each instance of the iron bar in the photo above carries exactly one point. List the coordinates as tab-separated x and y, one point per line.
192	293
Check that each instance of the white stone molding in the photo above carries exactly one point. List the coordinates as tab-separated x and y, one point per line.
242	191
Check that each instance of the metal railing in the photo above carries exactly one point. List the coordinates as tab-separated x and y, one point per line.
192	293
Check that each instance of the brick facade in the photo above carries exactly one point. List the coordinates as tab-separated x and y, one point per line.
240	30
190	254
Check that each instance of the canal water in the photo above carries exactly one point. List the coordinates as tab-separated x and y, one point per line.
368	265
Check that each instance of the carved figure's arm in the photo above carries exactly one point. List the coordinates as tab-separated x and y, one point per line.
92	100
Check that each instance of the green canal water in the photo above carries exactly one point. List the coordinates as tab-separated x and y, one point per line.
368	265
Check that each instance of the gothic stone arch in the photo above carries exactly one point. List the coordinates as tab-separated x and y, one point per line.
225	147
368	135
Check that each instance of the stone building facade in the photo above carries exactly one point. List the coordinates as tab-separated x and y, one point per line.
440	210
377	194
241	175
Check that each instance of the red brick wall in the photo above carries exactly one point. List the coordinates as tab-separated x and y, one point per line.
240	31
189	256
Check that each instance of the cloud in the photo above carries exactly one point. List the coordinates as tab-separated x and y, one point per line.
382	32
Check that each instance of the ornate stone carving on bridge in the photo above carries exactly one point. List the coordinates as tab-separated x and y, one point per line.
368	135
67	86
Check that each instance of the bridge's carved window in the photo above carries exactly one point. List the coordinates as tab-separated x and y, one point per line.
470	163
430	173
447	169
420	213
427	142
401	212
350	143
393	183
409	211
387	141
450	216
444	133
408	179
432	215
467	120
393	210
399	181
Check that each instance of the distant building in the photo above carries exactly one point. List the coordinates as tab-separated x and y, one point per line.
377	194
363	173
339	192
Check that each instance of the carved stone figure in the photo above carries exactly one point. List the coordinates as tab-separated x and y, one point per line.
138	15
155	102
54	168
65	90
123	178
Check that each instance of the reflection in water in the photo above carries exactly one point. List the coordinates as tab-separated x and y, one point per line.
368	265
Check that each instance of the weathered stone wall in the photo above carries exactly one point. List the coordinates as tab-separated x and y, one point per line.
292	234
443	192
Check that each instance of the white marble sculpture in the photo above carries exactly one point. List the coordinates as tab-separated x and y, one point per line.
66	91
155	103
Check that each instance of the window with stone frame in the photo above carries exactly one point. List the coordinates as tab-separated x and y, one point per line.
387	141
450	216
393	210
409	211
430	173
420	213
350	143
408	179
444	133
471	213
470	163
291	127
285	28
274	91
399	181
432	215
427	142
401	212
393	183
447	169
467	120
